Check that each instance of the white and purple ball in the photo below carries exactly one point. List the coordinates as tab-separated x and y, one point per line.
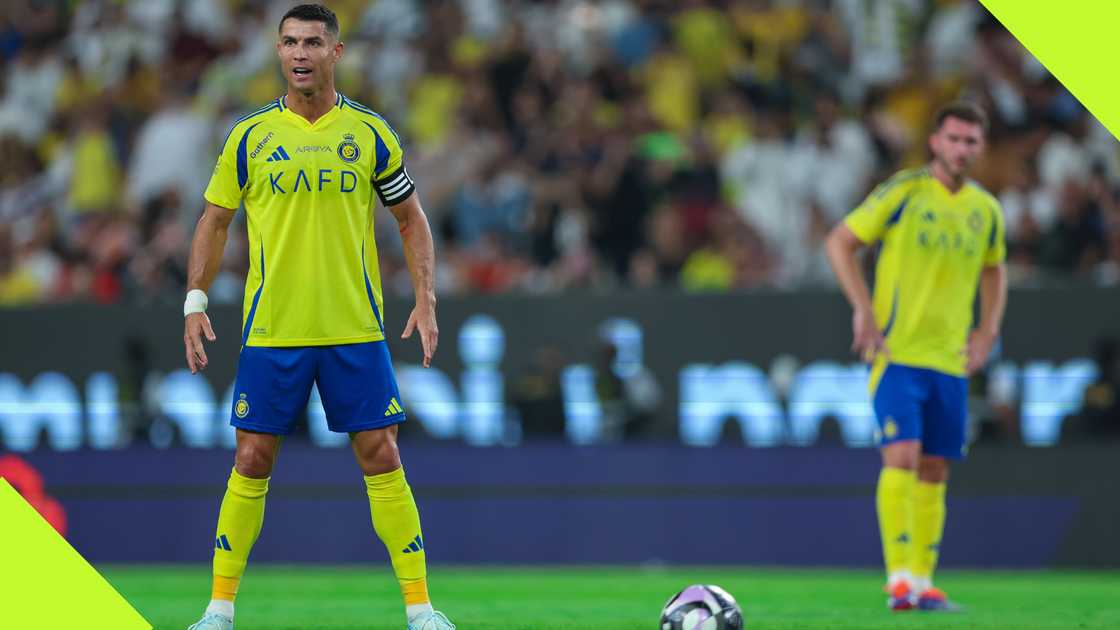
702	607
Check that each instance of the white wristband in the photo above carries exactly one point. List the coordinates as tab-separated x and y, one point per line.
196	302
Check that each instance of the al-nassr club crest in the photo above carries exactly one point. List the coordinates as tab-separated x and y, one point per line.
348	150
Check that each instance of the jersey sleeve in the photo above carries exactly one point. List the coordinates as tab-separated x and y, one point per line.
879	211
225	188
997	243
391	178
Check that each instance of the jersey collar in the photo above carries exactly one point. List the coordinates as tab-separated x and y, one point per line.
322	120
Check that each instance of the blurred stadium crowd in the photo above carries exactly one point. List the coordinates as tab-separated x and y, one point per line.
702	144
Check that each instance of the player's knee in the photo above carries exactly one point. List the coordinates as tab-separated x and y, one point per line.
254	460
933	470
377	453
904	455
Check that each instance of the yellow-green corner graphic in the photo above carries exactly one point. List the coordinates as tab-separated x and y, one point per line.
1078	44
46	583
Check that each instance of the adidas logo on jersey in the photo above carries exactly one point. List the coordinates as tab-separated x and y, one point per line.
278	155
394	408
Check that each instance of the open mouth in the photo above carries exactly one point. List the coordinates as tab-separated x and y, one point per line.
301	71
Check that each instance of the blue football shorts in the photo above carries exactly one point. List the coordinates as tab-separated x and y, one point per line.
922	404
356	383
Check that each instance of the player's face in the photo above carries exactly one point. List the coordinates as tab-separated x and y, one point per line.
308	53
957	145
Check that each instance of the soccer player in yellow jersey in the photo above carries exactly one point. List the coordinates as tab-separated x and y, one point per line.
941	236
306	168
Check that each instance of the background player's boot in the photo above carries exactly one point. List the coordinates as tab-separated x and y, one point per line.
934	599
213	621
901	596
432	620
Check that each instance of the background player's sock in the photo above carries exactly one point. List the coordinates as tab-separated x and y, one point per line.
397	523
239	524
893	501
929	521
902	575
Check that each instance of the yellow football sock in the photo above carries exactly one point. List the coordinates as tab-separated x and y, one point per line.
239	524
894	501
929	522
397	523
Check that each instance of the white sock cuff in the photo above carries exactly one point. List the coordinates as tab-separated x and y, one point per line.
897	576
221	607
922	583
412	610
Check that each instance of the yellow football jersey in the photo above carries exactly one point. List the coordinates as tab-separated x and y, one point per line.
934	245
308	191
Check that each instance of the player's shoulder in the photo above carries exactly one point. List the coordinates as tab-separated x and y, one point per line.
905	179
367	115
247	121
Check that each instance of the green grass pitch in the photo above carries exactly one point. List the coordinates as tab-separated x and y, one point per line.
282	597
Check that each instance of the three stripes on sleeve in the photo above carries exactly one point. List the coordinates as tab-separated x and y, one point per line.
396	187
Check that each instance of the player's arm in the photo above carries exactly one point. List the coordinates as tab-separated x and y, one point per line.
223	195
993	297
205	259
993	301
864	225
841	247
419	253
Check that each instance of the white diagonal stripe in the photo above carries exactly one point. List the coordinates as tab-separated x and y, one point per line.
408	186
392	190
400	195
393	182
396	190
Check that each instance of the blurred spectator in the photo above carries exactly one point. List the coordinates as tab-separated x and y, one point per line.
17	284
172	150
627	400
95	180
537	395
1075	243
627	392
701	144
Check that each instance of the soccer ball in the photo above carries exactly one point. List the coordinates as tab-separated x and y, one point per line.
702	607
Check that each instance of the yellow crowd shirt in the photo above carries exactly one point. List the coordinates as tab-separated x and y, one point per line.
934	245
308	191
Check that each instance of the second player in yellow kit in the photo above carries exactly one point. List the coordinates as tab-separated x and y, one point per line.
934	244
941	238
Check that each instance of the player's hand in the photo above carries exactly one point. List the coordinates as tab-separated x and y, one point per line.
423	318
196	326
867	339
978	350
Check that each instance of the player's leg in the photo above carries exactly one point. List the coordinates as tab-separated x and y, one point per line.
272	388
943	439
929	518
360	397
894	507
395	516
897	402
241	515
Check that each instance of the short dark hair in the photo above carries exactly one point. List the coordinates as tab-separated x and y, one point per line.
961	110
313	13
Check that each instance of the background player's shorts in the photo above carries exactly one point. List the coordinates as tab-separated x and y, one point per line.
356	383
922	404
